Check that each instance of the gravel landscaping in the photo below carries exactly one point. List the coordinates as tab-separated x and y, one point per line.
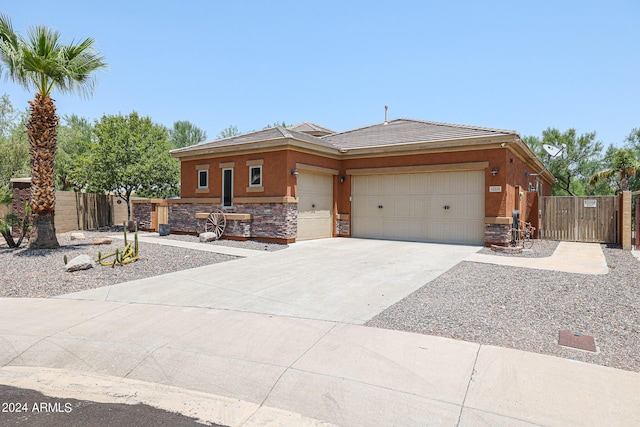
540	249
245	244
524	309
41	273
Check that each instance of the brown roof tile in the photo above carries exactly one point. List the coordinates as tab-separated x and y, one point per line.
309	127
268	134
406	131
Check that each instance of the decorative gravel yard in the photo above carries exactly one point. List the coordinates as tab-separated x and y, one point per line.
525	309
41	273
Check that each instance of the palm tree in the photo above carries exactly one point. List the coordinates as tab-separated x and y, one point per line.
41	62
623	166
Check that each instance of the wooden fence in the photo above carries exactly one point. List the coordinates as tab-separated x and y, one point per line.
581	219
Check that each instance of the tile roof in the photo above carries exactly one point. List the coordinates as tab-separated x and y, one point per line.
394	132
310	127
407	131
268	134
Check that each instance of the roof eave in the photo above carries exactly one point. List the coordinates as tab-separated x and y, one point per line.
258	145
429	145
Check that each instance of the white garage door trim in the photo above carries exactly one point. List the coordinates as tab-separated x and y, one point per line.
424	206
315	206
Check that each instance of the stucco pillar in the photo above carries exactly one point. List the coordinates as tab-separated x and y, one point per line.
625	220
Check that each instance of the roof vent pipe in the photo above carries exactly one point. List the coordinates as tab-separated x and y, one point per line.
386	114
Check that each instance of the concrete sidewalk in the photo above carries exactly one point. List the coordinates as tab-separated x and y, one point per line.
247	369
570	257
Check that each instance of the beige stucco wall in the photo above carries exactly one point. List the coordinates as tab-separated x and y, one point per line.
66	217
625	223
119	211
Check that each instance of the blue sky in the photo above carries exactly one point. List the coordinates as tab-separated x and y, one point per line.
505	64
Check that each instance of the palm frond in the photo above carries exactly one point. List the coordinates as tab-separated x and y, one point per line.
43	62
12	53
605	174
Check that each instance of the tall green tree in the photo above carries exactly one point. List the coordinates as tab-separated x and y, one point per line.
9	116
185	133
130	155
281	124
622	165
14	147
74	141
580	159
228	132
41	62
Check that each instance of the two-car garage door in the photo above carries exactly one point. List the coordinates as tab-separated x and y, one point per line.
432	207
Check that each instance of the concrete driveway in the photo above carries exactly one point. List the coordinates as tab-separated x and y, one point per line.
340	280
247	369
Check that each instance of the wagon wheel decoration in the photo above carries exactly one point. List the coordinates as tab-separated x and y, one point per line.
215	223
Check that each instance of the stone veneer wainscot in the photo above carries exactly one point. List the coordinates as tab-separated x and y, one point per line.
269	221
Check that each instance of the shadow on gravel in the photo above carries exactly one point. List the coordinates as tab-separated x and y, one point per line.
21	407
26	252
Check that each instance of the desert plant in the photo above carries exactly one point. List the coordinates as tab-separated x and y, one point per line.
127	255
11	221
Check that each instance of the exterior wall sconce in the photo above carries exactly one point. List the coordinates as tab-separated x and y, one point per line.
295	172
494	171
343	178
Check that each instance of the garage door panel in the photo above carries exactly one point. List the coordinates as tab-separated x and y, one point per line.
419	205
413	206
403	184
315	206
475	181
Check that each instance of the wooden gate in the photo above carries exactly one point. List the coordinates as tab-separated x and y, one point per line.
93	210
580	219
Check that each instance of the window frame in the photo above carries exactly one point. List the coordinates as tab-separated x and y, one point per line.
251	168
223	198
206	172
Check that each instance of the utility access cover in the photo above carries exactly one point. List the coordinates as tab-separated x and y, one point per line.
576	340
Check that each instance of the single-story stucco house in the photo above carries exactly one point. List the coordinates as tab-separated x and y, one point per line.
401	179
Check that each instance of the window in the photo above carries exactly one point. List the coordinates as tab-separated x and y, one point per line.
255	176
227	188
203	178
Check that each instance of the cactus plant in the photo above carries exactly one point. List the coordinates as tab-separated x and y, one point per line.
65	259
121	257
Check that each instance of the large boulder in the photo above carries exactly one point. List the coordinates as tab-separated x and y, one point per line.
207	237
102	241
81	262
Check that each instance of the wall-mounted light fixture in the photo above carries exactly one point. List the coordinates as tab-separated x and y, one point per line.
494	171
295	172
343	178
